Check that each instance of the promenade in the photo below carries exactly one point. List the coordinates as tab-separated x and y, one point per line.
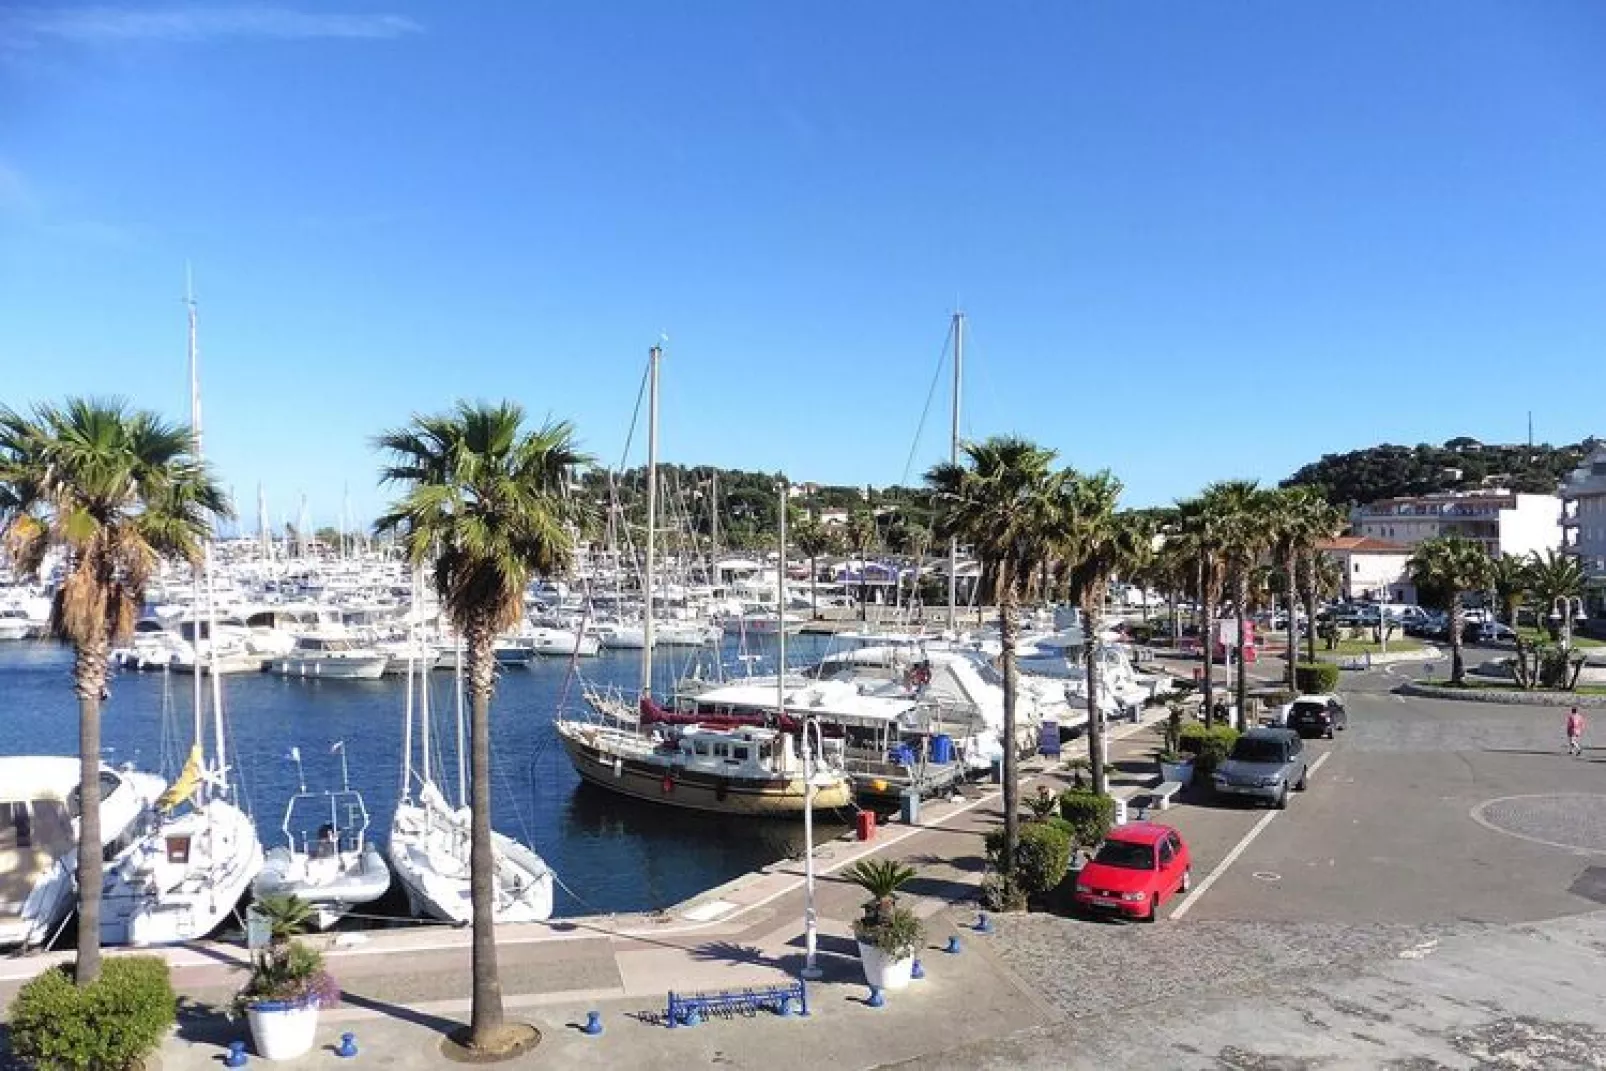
1433	901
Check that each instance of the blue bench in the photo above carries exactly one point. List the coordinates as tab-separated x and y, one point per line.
687	1009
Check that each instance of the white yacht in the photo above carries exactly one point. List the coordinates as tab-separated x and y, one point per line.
331	655
14	623
561	643
39	808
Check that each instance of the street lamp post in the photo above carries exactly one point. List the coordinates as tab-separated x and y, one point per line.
1560	613
811	920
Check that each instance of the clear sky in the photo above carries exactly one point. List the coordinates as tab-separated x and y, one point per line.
1193	240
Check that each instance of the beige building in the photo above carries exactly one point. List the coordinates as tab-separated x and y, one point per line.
1373	569
1502	522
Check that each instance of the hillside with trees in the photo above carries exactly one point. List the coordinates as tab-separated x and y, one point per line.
1461	464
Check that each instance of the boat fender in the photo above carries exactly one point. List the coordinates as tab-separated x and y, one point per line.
721	788
669	783
618	767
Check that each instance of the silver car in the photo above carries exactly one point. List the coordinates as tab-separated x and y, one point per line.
1263	766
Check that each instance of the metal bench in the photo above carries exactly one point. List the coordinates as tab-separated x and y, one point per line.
688	1009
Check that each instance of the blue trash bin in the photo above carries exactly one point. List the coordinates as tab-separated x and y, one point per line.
942	749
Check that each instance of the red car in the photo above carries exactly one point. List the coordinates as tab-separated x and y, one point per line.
1138	867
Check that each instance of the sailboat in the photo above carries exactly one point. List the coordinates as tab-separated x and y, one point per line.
338	868
429	839
728	769
195	861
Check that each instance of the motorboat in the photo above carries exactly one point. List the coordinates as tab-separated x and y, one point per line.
561	643
39	813
333	869
331	655
15	623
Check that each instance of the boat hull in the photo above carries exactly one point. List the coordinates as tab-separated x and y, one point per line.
782	796
429	861
332	892
335	669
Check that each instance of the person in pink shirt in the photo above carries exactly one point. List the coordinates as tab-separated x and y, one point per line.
1575	733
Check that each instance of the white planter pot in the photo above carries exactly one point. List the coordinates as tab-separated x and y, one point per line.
1177	771
282	1031
883	972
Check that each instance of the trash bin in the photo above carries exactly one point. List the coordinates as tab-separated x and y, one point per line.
942	749
998	771
910	811
866	825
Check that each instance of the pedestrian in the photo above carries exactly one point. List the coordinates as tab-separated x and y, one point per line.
1575	733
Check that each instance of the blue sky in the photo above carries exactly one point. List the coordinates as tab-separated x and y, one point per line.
1167	222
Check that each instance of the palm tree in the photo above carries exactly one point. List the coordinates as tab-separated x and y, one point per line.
1000	503
1099	544
1242	525
1198	535
1296	514
1455	566
117	490
813	539
861	535
1554	577
1509	579
485	503
1319	575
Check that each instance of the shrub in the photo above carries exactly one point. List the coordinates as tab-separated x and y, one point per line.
108	1025
898	934
1043	804
1001	893
1314	678
1088	816
1208	746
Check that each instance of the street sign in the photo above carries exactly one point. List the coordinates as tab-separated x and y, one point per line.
258	930
1048	739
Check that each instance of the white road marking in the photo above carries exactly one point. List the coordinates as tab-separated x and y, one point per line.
1232	857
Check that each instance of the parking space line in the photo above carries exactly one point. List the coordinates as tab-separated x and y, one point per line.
1237	850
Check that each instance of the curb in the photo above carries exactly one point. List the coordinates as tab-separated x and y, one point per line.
1514	697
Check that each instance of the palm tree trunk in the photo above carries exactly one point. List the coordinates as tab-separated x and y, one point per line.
1310	610
1006	636
1240	597
89	675
1458	669
486	1018
1207	645
1291	564
1095	717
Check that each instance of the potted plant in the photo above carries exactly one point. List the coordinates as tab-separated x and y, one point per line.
888	933
288	983
1175	764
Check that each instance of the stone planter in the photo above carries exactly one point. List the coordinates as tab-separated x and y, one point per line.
1177	771
881	970
283	1030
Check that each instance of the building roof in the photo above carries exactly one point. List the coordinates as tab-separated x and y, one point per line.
1362	545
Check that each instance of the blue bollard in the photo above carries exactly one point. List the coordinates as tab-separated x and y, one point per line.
953	945
983	923
348	1046
917	970
593	1025
876	999
236	1056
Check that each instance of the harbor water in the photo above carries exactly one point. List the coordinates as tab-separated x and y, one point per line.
610	854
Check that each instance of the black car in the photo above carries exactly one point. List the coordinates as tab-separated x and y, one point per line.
1316	715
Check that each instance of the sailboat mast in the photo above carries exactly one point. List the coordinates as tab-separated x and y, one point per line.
196	684
653	356
780	607
407	701
953	456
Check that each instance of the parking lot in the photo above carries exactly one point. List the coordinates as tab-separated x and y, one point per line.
1422	812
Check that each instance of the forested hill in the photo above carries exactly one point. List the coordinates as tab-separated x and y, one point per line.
1459	465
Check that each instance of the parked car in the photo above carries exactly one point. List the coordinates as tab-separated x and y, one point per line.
1495	632
1315	715
1264	765
1138	867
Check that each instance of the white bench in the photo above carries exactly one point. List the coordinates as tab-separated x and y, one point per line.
1161	794
1122	795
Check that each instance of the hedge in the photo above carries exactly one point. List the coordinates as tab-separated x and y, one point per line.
1208	746
1315	678
1042	856
1088	816
109	1025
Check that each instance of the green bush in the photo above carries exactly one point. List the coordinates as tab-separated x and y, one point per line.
1042	856
1207	746
1087	815
109	1025
1315	678
999	893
